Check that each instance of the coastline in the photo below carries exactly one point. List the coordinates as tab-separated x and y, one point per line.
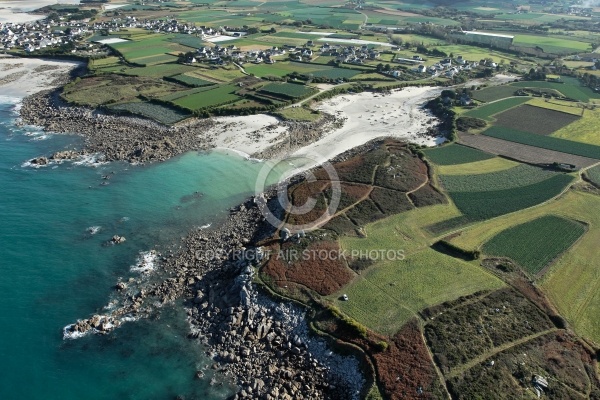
263	345
138	140
249	335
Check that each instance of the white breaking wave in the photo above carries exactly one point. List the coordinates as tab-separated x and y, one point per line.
40	137
68	334
146	262
92	230
205	226
244	155
29	164
92	160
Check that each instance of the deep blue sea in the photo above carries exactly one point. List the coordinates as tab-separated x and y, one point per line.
53	272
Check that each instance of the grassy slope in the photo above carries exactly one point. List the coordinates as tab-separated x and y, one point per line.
390	292
584	130
573	282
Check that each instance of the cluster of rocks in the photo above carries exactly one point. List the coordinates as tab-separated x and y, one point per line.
116	137
116	239
57	157
101	324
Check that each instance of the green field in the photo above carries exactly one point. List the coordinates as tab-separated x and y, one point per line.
263	70
478	167
571	88
544	142
149	48
157	71
454	154
287	90
584	130
482	205
391	292
552	44
557	105
220	95
573	282
155	59
518	176
487	110
535	244
594	175
193	81
494	93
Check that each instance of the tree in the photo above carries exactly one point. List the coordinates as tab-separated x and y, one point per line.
379	67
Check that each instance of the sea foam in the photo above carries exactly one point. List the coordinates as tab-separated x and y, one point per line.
146	262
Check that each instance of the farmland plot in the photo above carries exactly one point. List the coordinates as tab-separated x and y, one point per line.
487	110
454	154
222	94
571	88
190	80
494	93
287	90
400	289
584	130
594	175
482	205
522	152
545	142
572	281
533	119
478	167
520	175
535	244
557	105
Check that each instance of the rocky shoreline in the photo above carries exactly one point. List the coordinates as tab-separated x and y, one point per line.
117	138
140	140
264	346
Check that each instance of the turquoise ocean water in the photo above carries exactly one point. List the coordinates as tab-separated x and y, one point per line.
53	272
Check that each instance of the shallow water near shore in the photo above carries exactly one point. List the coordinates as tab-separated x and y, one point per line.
54	270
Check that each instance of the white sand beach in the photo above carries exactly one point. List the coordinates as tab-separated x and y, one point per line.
370	116
249	134
16	11
20	77
367	116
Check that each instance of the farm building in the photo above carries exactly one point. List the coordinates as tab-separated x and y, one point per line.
490	39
